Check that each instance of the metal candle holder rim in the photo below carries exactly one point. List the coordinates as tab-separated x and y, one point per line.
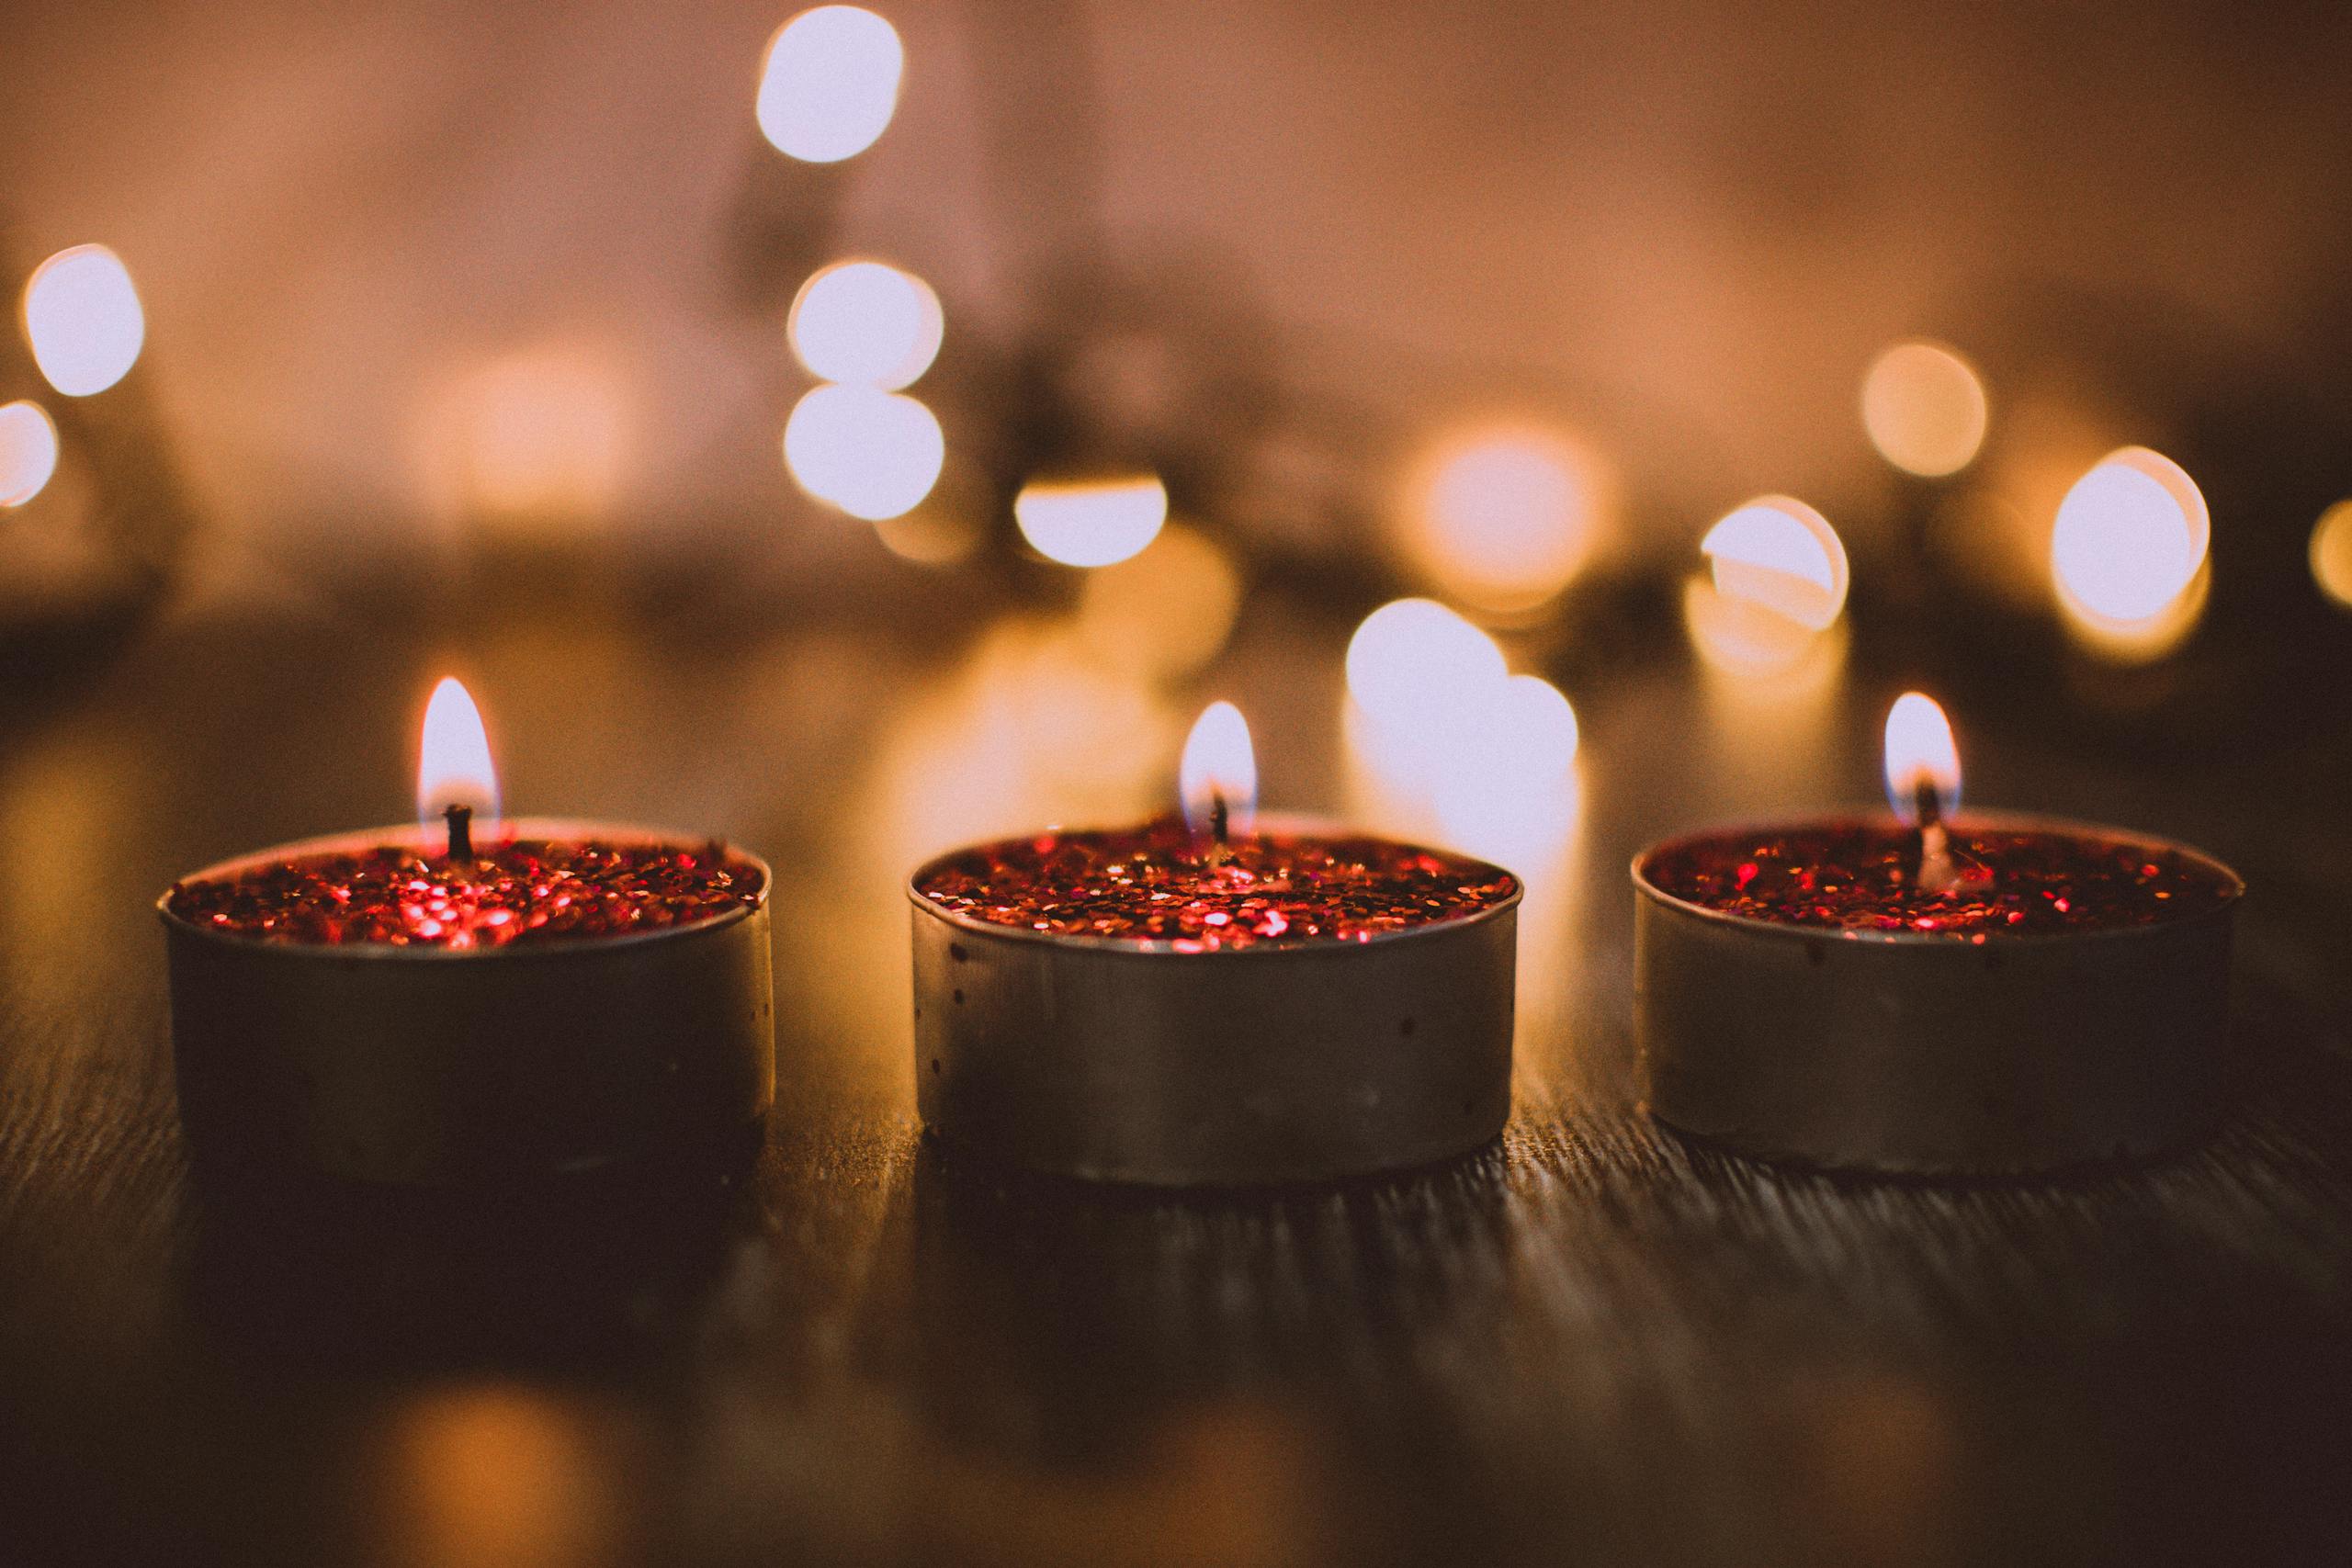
1133	947
2233	885
394	952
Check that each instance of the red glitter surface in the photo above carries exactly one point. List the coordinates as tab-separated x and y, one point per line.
527	891
1859	877
1153	884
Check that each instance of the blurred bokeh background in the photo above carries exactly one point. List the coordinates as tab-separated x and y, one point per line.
417	275
1430	378
966	395
860	432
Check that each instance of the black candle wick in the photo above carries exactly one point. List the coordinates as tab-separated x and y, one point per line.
461	831
1929	802
1220	848
1933	871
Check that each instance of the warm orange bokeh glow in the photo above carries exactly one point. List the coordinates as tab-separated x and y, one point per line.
453	765
1760	647
931	535
2129	554
831	84
2332	554
1924	409
1090	524
1781	555
84	321
1219	772
867	323
495	1476
1920	750
1503	519
1164	613
538	439
873	454
28	452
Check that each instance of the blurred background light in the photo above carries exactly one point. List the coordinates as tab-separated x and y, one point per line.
1741	637
1503	519
84	321
1091	523
830	83
873	454
1508	789
1444	744
28	452
1163	614
1781	555
539	437
2332	553
867	323
1536	731
1766	617
2128	554
495	1473
1923	408
931	535
1415	661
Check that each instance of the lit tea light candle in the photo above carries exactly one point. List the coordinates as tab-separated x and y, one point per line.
1206	1000
1929	992
471	998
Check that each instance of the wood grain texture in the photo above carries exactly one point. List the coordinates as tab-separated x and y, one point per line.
1587	1344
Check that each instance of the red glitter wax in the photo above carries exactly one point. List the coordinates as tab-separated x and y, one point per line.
525	891
2010	880
1154	885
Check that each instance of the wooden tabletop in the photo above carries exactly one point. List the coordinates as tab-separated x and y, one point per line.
1589	1343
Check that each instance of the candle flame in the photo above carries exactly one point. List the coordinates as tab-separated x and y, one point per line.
453	765
1920	751
1219	774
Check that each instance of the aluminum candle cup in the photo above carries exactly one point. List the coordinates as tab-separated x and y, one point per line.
2042	1030
428	1064
1212	1060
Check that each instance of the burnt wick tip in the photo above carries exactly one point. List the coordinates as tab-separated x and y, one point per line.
1929	802
460	819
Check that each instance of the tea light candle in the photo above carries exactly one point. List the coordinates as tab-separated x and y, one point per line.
471	998
1931	993
1195	1002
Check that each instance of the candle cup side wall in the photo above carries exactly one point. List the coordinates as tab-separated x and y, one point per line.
1243	1068
429	1066
1930	1056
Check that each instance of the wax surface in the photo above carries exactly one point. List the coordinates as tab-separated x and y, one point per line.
1153	884
535	891
1860	876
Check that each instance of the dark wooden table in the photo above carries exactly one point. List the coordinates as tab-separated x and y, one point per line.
1589	1344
